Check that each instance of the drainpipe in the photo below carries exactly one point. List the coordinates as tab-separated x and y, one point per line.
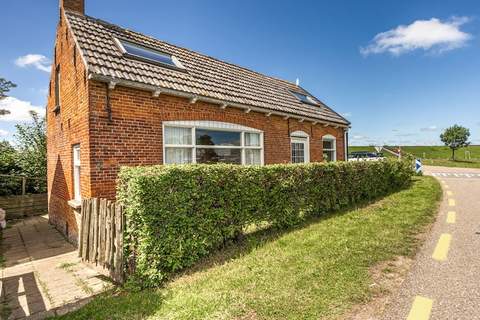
345	137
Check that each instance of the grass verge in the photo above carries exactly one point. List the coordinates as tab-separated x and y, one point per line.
437	155
451	163
319	270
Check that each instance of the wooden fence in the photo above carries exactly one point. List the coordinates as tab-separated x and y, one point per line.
101	236
18	207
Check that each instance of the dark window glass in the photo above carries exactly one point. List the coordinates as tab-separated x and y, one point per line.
304	98
298	152
217	138
57	86
207	155
327	144
147	53
330	156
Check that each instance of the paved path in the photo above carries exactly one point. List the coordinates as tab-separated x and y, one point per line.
42	274
444	282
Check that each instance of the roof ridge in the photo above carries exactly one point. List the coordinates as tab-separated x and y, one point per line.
115	26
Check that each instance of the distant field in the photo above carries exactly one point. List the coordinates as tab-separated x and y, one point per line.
437	155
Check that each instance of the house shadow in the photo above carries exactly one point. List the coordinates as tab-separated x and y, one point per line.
32	238
21	297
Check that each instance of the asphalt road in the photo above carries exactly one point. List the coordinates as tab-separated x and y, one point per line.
444	281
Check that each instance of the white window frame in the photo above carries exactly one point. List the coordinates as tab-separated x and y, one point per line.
333	139
304	138
217	126
77	192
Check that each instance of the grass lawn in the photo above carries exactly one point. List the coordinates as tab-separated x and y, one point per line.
318	270
438	155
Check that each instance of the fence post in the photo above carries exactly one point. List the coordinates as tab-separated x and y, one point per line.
24	185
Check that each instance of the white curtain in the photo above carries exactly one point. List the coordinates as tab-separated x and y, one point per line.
253	156
178	136
178	155
252	139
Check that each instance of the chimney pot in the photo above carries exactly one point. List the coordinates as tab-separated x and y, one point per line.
77	6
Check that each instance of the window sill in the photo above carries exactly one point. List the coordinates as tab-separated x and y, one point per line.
75	204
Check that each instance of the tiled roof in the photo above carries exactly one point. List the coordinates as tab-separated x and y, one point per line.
204	76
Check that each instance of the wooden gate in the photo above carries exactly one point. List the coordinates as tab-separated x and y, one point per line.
101	236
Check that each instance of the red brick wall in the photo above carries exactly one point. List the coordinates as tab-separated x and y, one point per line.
134	136
65	129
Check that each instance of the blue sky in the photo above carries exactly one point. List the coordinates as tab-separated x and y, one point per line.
400	71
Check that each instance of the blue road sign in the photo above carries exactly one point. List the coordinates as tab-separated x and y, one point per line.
418	165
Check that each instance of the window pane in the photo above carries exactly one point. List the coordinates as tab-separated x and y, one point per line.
298	152
147	53
57	86
328	156
76	173
328	144
253	156
304	98
180	136
205	155
217	138
178	155
252	139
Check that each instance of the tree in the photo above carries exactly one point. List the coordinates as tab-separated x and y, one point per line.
8	166
5	86
32	148
455	137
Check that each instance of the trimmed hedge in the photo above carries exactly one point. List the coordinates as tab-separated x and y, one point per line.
178	214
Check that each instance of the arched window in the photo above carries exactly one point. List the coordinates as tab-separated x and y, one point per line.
211	142
300	147
329	148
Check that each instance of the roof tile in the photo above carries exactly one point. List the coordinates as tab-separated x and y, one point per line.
204	75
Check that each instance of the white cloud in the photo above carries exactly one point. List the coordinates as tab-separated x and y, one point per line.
19	109
428	35
359	137
36	60
3	133
346	114
429	129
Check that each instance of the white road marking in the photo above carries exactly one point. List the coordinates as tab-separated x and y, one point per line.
456	175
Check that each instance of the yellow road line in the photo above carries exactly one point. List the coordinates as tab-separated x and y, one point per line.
451	202
449	193
421	309
451	217
441	250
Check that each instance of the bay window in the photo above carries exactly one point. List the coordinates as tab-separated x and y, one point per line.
211	142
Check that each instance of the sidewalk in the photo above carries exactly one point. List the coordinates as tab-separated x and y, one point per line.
42	275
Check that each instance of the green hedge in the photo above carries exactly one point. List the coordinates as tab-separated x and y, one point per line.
178	214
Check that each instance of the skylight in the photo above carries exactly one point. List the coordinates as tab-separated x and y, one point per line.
304	98
140	52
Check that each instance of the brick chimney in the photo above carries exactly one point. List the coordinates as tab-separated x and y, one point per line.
77	6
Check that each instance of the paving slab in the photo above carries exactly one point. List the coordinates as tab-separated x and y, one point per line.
43	275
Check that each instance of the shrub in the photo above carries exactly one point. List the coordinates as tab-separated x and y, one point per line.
178	214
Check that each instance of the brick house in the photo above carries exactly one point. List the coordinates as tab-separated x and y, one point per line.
118	98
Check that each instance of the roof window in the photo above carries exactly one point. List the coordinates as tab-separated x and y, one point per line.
140	52
304	98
